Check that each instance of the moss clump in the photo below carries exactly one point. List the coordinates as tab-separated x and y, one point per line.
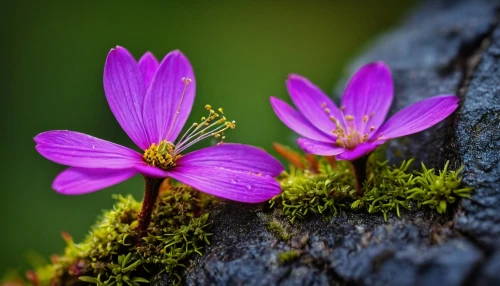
278	230
390	188
436	191
288	256
387	188
330	188
109	255
324	192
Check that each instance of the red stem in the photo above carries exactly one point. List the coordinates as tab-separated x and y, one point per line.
359	166
151	192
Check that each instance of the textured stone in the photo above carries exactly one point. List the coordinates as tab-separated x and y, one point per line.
444	47
477	146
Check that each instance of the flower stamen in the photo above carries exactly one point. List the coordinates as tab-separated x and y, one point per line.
351	136
165	154
209	126
186	82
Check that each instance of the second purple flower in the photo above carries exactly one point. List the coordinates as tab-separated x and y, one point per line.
357	127
354	130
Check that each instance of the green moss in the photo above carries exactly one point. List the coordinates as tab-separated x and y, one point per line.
387	189
306	193
390	188
278	230
109	255
438	190
288	256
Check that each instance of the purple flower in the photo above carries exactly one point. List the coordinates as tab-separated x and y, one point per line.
357	127
152	102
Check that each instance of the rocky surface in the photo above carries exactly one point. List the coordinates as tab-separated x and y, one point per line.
444	47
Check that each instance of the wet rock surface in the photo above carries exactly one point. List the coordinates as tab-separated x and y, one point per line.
444	47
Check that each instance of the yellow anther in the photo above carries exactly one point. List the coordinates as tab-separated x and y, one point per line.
340	142
217	135
203	118
221	110
349	117
365	118
162	156
208	107
186	80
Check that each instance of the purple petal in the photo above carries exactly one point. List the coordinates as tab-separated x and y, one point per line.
148	65
311	102
81	150
319	148
358	151
297	122
78	181
168	100
125	90
418	116
229	184
150	171
369	93
235	157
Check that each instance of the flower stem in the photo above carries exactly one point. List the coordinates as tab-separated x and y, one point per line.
359	166
151	192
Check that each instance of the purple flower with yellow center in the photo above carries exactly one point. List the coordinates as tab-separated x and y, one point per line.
152	102
355	129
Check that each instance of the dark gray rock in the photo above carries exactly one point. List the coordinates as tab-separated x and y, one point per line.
444	47
477	146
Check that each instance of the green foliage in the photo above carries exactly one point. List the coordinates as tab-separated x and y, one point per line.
390	188
318	193
436	191
110	255
387	189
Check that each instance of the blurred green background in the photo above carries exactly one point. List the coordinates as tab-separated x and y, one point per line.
53	57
